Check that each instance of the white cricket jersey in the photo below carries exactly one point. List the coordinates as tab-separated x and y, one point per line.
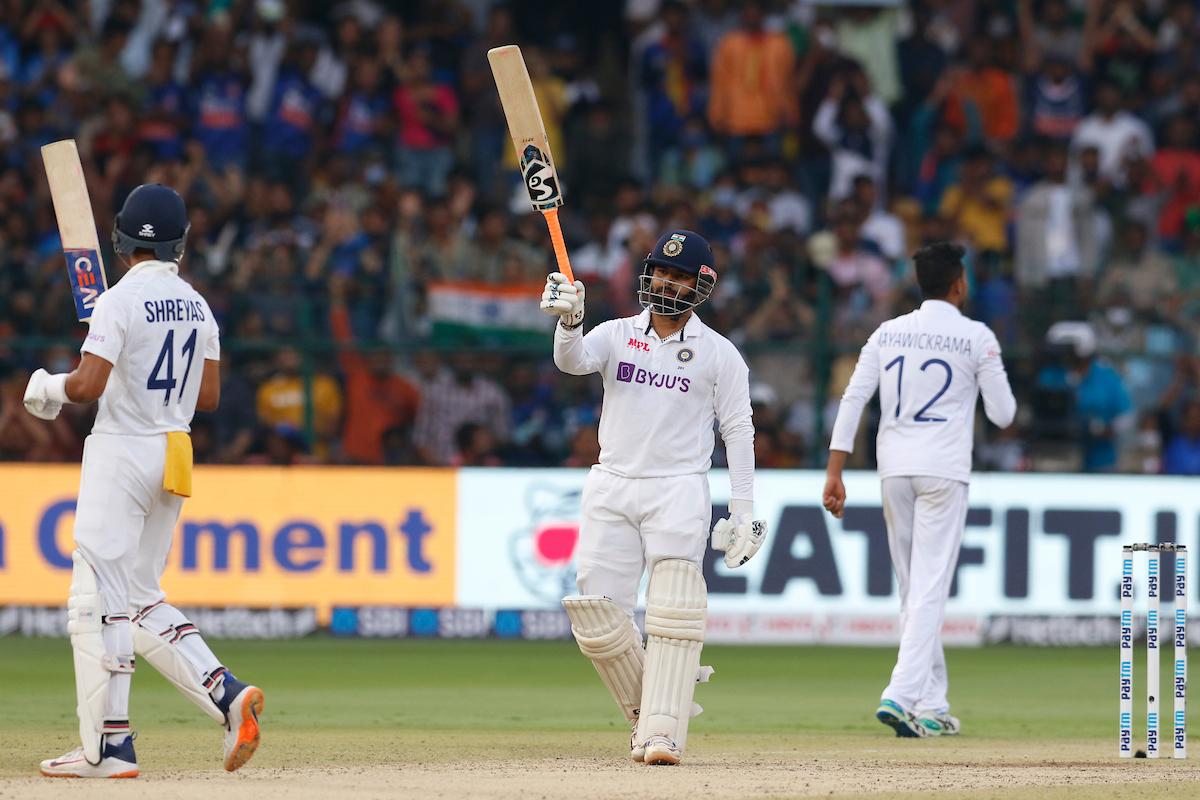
929	365
662	397
157	331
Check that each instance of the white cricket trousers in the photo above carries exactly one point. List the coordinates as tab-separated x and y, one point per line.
124	520
925	518
629	524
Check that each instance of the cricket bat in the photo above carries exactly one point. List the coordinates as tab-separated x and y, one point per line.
76	226
529	138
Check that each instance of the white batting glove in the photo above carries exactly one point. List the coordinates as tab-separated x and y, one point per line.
45	394
564	299
737	535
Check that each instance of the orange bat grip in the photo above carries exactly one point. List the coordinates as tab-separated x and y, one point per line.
560	247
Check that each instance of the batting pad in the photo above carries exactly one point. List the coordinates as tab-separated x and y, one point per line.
607	636
676	614
93	664
158	643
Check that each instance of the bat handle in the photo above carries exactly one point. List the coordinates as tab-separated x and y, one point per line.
560	247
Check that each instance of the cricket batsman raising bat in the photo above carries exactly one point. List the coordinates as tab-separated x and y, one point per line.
151	357
667	378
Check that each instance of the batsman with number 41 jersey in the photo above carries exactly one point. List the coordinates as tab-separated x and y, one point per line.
151	358
930	366
667	378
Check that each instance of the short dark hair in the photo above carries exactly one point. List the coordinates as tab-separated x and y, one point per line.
939	265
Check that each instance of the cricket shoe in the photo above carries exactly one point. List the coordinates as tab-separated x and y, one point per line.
242	703
637	750
905	724
117	761
938	724
661	750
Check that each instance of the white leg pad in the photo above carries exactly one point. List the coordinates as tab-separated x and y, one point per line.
676	614
93	663
608	637
172	665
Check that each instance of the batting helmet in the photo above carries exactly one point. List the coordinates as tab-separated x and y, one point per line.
688	252
152	218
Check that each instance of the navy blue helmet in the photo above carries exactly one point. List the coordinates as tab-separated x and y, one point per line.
153	218
688	252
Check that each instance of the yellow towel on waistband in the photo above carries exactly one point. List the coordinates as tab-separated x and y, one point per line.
177	469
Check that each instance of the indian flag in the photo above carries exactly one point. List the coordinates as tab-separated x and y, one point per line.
482	313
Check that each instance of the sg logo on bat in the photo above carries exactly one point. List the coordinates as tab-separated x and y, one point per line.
540	180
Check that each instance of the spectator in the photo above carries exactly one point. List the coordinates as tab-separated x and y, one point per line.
1182	453
452	397
751	89
164	116
1176	173
1102	405
426	113
1056	241
1138	274
982	96
377	400
282	401
881	228
674	80
1116	134
294	116
862	282
474	447
854	124
481	104
1056	99
219	100
980	203
362	114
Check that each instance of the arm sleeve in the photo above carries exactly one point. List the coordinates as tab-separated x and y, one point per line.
998	401
106	329
212	345
859	392
734	418
577	354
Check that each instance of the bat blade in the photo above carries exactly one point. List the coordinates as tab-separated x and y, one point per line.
529	139
526	127
76	225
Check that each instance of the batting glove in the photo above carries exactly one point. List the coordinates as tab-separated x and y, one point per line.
45	394
738	536
564	299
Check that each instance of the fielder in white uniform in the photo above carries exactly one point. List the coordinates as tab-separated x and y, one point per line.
930	366
668	378
151	357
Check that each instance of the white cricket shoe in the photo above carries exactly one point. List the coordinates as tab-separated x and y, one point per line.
245	703
116	762
661	750
938	724
895	716
637	750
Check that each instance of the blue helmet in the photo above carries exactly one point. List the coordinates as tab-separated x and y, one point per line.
688	252
152	218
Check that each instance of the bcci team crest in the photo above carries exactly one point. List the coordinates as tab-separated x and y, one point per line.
540	180
543	551
673	246
685	355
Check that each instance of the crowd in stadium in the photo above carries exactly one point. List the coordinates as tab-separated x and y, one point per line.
346	165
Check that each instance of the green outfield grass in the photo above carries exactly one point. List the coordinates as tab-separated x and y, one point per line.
346	702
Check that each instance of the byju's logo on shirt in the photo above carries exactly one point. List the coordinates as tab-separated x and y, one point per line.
632	373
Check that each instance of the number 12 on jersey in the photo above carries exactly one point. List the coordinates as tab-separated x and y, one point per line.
920	416
166	356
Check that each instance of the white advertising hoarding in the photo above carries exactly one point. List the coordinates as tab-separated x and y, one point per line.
1044	545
